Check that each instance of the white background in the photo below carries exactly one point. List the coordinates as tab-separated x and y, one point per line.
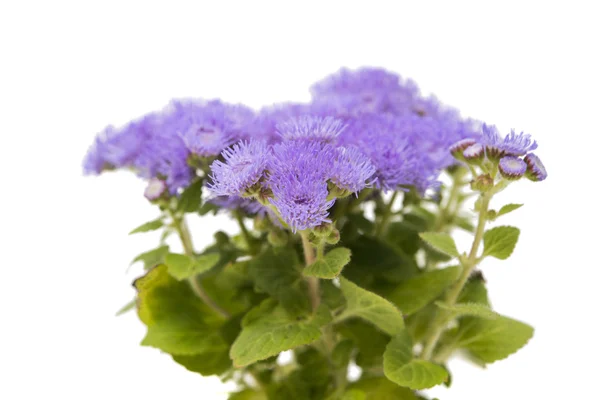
69	69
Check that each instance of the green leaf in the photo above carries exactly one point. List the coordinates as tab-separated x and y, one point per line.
493	339
178	321
468	309
500	241
182	267
248	394
191	198
419	323
391	262
211	362
382	389
127	307
369	341
475	292
400	367
415	293
152	257
371	307
330	266
508	208
277	272
342	352
354	394
149	226
183	337
404	236
441	241
270	333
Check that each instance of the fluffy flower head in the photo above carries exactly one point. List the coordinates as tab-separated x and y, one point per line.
244	165
312	128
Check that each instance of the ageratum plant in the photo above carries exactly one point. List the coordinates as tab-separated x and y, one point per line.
349	261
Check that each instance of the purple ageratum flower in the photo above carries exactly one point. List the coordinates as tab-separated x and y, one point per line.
473	152
367	90
145	146
249	206
207	128
155	189
535	169
433	136
512	167
457	148
244	165
115	148
398	163
298	179
264	125
352	170
322	129
513	144
356	81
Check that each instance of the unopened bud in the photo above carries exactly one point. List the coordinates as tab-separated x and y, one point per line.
155	189
535	169
333	237
277	238
482	183
512	167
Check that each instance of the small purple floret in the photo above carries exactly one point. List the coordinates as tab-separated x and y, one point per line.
458	147
244	166
535	169
512	167
298	173
513	144
321	129
155	189
352	170
473	152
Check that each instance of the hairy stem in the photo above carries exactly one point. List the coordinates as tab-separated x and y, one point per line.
313	283
441	319
250	242
385	218
448	211
188	248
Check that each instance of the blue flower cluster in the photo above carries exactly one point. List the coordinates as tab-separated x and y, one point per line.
363	128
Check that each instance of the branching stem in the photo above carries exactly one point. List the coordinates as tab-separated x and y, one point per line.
313	283
440	321
181	227
385	218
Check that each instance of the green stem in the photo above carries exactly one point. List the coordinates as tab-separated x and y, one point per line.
250	241
313	283
186	240
385	218
447	213
321	250
440	321
340	374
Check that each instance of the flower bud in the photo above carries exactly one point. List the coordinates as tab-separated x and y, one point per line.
323	230
221	238
512	168
535	169
333	237
457	148
473	153
482	183
155	189
277	238
261	223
